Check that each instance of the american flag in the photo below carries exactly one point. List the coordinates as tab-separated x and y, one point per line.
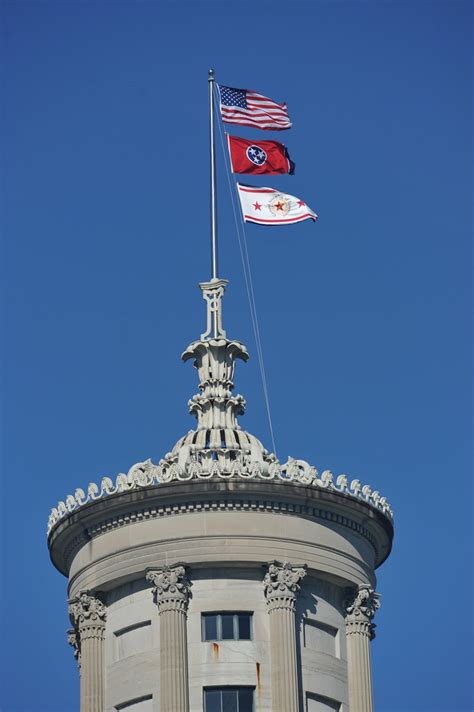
247	108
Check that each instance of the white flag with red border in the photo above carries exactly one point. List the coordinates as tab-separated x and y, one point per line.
267	206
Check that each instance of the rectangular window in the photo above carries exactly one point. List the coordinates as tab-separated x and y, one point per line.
228	699
227	626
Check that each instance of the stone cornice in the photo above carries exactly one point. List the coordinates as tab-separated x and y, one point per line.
181	498
146	474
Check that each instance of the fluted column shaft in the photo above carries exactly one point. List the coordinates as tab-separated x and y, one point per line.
92	671
359	670
283	655
359	633
281	587
171	594
174	661
88	614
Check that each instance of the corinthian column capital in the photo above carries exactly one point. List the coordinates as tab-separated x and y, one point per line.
281	585
87	614
361	607
171	589
87	609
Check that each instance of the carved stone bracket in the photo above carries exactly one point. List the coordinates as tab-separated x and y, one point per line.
281	585
172	588
361	607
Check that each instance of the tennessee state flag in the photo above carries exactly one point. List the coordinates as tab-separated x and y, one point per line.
258	156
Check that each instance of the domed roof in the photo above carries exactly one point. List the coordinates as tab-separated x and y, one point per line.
217	447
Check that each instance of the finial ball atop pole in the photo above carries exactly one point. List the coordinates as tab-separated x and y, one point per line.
211	75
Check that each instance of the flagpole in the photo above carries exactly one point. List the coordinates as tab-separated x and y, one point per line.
213	178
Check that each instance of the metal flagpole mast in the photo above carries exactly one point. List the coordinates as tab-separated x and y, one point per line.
213	178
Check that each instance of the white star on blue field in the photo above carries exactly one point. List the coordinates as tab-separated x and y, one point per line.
256	155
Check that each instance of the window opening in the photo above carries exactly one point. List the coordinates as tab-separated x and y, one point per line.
228	699
227	626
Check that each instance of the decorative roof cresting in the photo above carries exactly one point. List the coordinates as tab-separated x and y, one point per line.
218	447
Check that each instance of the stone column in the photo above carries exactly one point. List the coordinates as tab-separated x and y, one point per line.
171	594
88	614
360	631
281	585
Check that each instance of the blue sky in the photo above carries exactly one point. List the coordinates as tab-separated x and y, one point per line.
364	315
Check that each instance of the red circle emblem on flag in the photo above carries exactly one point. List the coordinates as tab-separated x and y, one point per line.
279	205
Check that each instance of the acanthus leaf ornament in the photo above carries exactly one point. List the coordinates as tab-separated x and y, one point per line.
87	608
172	587
200	465
361	607
88	614
281	584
